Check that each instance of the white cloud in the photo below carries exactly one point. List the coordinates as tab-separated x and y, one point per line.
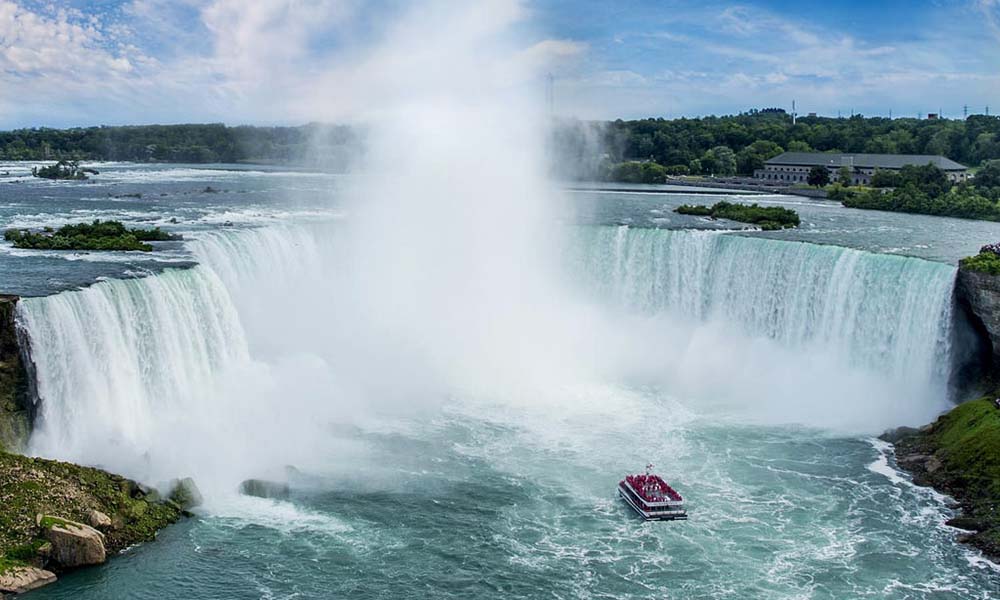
65	45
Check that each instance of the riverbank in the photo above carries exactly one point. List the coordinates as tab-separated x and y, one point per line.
959	455
57	516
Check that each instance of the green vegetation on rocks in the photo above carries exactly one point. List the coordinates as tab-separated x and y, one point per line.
768	218
959	454
987	261
98	235
64	169
67	492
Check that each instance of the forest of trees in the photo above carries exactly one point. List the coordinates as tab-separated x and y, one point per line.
740	144
181	143
580	149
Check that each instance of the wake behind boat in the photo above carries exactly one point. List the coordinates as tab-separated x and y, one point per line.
652	497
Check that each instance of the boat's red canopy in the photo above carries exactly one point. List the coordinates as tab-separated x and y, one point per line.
652	488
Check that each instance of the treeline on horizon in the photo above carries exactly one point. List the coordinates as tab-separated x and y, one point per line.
207	143
724	145
741	143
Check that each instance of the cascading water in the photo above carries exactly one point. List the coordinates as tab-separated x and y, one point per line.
890	314
801	333
118	362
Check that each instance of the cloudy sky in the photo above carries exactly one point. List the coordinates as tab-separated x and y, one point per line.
72	62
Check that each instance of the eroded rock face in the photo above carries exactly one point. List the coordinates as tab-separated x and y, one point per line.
980	294
74	544
24	579
15	417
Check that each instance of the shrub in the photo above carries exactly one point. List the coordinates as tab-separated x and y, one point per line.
98	235
987	261
768	218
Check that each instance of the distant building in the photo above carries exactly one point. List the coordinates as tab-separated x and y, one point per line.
794	167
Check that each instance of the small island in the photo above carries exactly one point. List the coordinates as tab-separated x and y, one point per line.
64	169
98	235
768	218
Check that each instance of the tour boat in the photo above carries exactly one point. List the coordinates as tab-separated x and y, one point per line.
652	497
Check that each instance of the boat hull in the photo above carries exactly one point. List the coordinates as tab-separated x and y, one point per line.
678	514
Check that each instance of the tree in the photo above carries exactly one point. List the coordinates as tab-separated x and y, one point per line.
722	160
988	175
884	178
819	176
753	156
845	174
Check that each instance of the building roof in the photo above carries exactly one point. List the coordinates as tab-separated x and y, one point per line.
863	161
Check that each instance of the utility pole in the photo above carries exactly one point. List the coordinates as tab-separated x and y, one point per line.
793	112
890	114
550	93
965	111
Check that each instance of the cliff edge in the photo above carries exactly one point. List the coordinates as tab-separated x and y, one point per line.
15	403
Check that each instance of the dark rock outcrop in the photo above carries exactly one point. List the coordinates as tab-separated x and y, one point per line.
15	385
978	296
262	488
185	493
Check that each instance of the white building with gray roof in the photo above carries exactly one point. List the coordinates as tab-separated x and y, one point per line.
794	167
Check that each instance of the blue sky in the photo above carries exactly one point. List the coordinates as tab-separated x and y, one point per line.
143	61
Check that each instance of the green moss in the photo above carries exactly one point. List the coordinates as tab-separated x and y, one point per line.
48	522
984	262
968	444
64	491
7	564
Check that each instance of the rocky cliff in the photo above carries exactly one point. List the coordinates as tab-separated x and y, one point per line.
15	385
979	294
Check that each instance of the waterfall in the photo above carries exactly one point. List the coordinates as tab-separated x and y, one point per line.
232	361
891	314
118	360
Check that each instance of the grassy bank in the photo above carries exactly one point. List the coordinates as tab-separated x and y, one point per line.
32	486
959	454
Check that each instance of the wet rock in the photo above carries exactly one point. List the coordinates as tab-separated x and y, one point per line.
913	459
24	579
966	523
894	435
262	488
185	493
73	544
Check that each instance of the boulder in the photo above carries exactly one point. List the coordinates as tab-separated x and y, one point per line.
19	580
73	544
98	519
185	493
262	488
